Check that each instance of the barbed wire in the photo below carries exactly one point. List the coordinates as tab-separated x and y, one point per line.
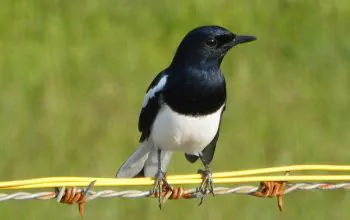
240	190
67	191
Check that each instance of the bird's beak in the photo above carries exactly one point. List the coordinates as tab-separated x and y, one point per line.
242	39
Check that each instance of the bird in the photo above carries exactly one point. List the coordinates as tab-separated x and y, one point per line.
183	107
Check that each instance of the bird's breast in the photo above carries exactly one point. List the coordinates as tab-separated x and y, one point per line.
177	132
196	94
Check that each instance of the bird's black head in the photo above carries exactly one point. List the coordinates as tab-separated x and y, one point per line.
206	46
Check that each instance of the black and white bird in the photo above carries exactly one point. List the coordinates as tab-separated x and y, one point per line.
183	107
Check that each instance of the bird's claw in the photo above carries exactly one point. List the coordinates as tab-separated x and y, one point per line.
160	185
207	184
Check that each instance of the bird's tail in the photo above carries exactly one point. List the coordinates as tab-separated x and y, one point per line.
144	161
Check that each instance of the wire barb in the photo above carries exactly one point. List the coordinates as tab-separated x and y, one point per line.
173	193
272	189
71	196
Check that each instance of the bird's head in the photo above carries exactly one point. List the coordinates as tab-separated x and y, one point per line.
206	46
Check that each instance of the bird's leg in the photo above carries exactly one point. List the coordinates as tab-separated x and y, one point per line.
160	181
207	183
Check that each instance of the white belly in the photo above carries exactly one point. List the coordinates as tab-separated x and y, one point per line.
172	131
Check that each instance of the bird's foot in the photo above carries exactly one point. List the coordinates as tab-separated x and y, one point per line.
207	183
160	186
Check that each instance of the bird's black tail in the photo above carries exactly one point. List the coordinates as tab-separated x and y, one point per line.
144	162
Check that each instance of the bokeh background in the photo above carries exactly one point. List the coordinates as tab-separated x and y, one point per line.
73	75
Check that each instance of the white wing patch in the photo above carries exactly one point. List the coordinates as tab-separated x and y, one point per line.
150	94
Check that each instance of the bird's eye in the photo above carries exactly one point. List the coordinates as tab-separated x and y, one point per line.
211	42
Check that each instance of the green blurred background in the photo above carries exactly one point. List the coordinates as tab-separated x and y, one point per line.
73	75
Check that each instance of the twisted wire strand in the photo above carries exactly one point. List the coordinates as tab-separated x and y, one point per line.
240	190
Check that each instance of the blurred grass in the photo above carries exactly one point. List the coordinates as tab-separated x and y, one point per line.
73	75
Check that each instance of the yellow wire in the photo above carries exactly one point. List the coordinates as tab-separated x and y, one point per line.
316	167
141	181
223	177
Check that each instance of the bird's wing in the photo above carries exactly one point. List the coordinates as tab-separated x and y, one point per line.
135	165
151	105
208	152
